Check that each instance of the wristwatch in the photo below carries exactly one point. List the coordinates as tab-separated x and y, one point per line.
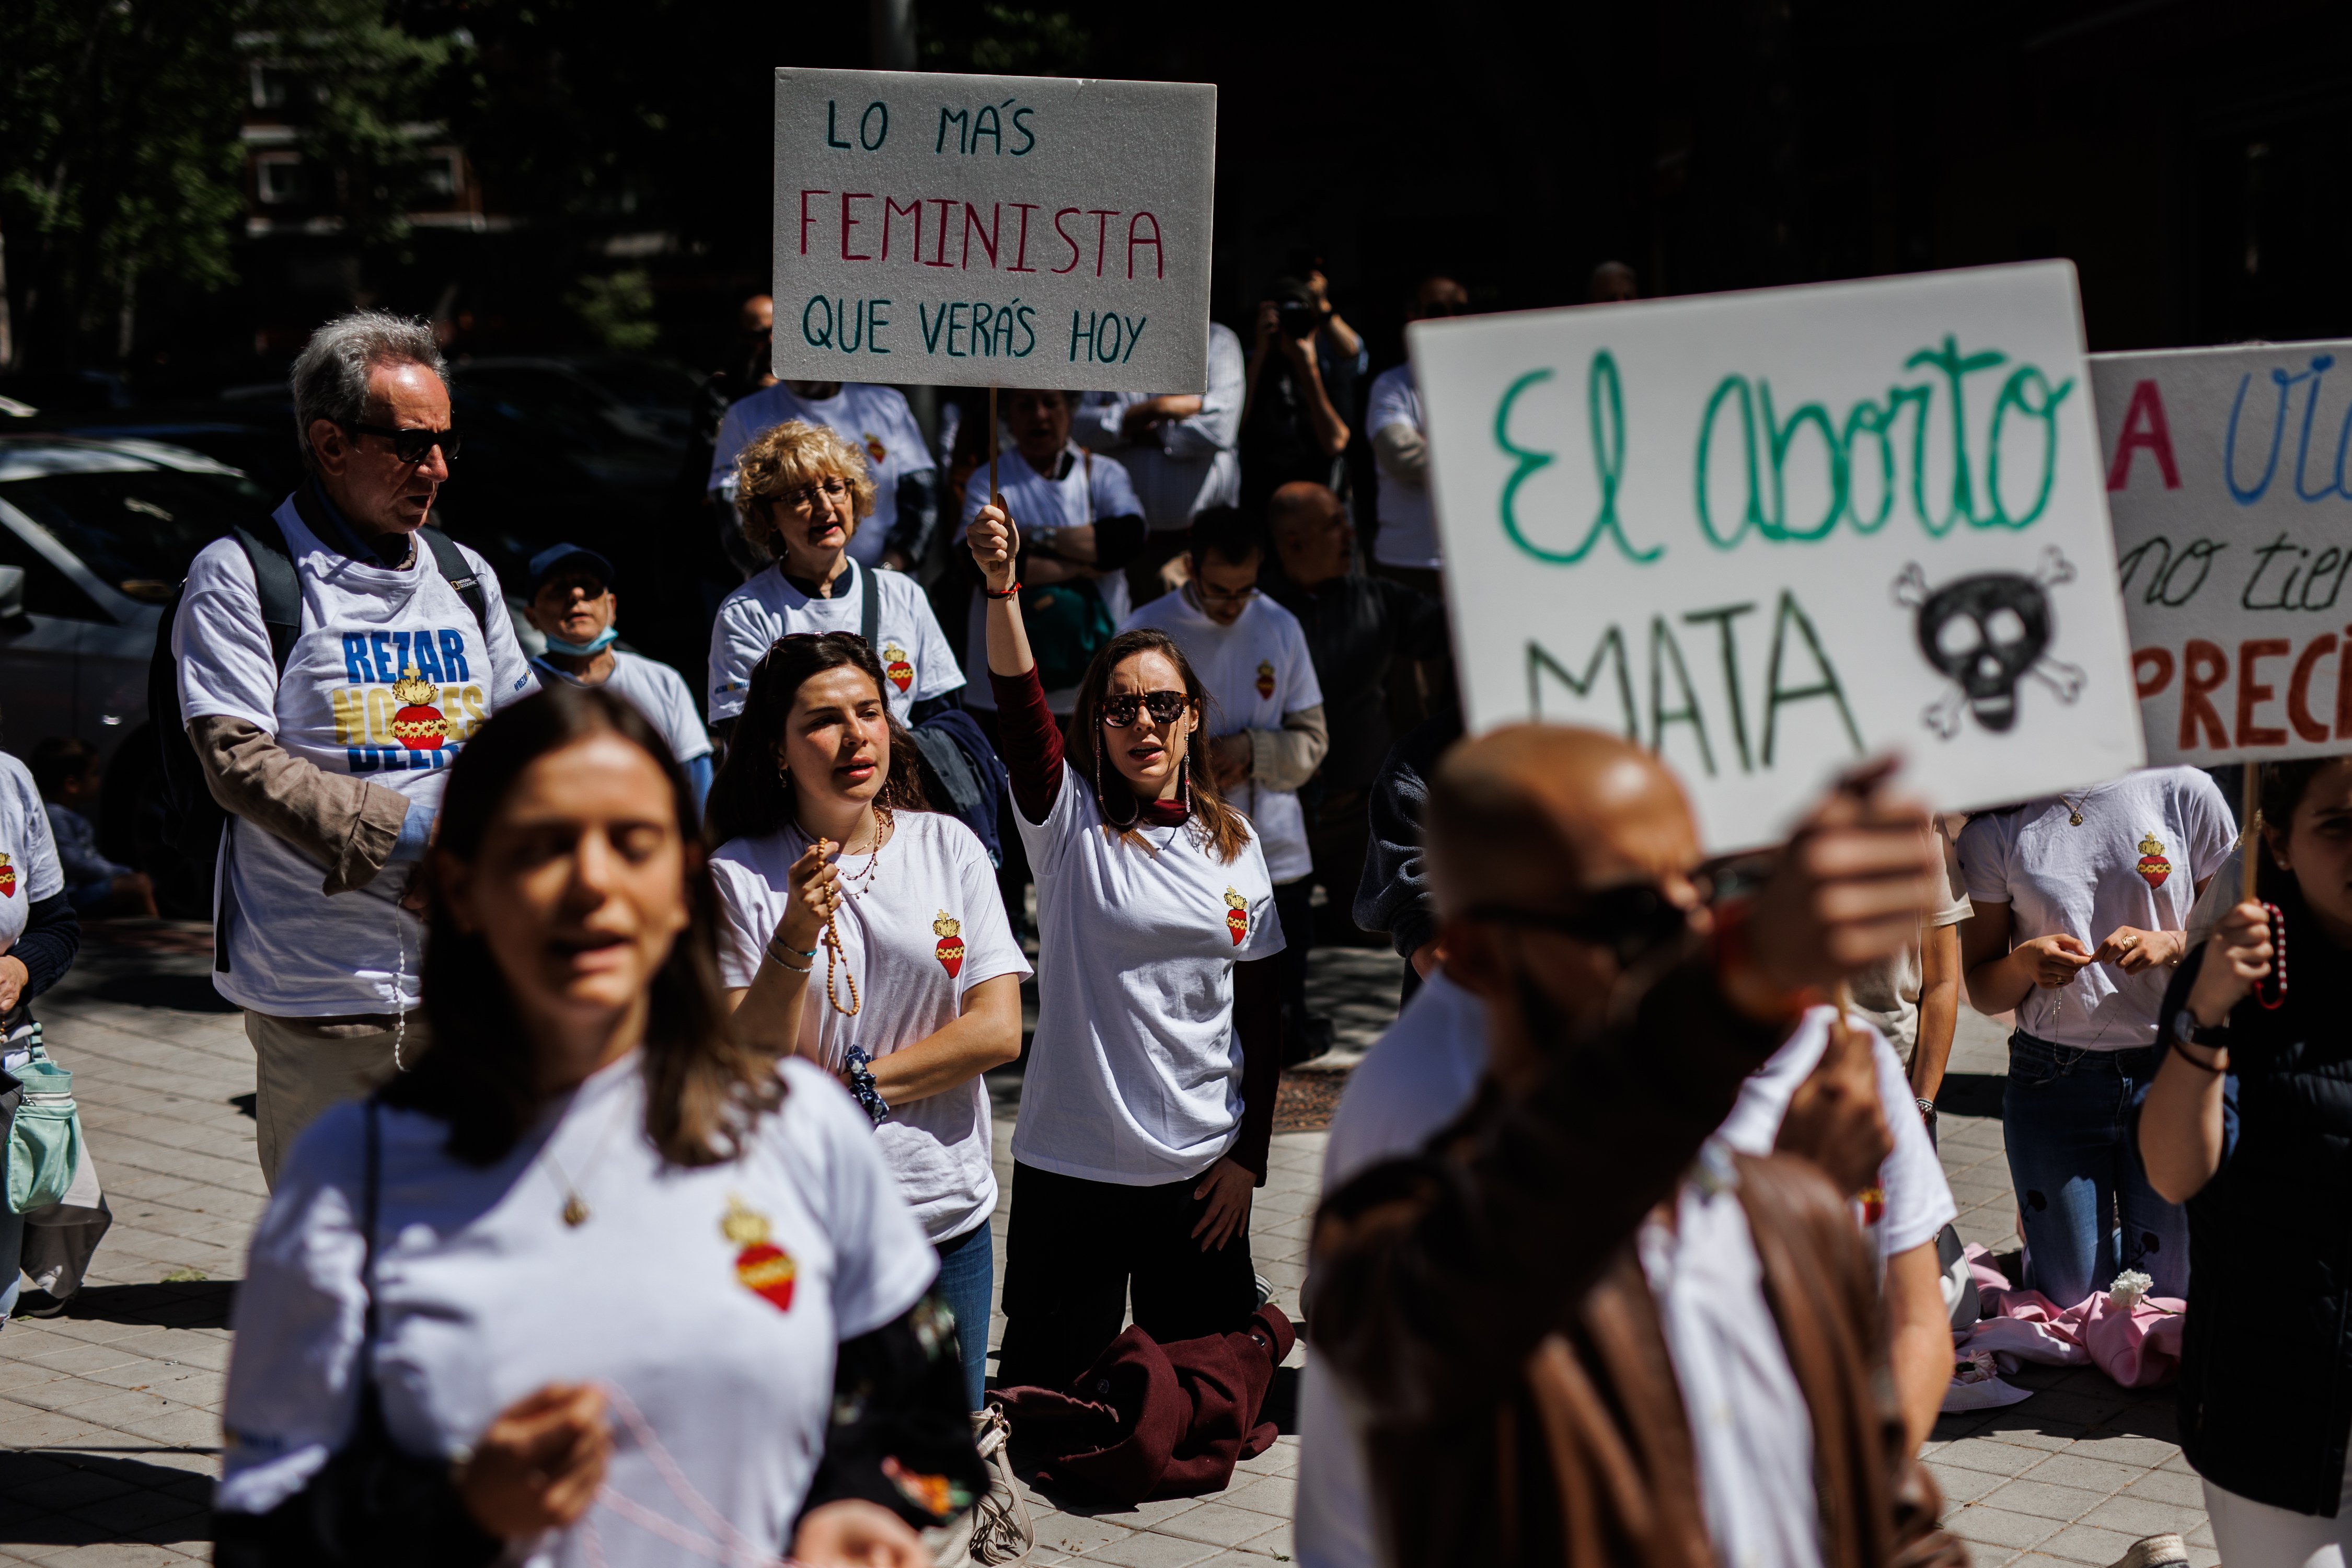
2187	1029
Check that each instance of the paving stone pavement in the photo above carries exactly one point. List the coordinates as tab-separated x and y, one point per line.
110	1414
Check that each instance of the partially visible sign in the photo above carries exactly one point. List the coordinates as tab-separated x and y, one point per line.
1768	534
2226	475
984	231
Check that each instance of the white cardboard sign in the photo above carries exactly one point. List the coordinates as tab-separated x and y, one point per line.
985	230
2226	475
1768	534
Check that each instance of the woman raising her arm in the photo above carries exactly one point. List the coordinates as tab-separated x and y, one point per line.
446	1313
1148	1105
922	994
2249	1124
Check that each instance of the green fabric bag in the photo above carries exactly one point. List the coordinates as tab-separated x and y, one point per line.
1068	623
45	1140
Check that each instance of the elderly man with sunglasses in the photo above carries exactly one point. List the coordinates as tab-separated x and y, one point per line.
333	659
1564	867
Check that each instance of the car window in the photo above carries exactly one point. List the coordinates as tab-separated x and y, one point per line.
138	530
48	590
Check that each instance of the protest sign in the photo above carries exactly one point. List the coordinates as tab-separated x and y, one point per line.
992	231
2225	475
1768	534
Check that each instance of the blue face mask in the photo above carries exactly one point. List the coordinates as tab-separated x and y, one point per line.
605	640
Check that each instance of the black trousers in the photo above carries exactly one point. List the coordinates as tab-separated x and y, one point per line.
1074	1249
1294	906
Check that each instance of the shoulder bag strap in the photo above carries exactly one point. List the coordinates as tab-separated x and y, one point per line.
461	572
276	584
870	608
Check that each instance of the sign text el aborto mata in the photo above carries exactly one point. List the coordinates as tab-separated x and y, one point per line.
2226	474
1768	534
982	230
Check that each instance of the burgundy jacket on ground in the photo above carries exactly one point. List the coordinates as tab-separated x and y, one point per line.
1148	1420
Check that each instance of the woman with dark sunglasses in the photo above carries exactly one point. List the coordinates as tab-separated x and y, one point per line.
1148	1107
865	933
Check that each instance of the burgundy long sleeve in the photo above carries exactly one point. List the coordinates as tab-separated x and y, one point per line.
1031	740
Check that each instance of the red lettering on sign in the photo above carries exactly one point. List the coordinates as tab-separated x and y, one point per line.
1102	216
2203	669
849	223
2251	693
913	209
805	219
2298	690
1073	243
1021	246
1159	261
945	205
2144	426
987	236
2151	670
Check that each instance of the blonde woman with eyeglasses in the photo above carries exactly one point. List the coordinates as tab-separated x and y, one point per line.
801	493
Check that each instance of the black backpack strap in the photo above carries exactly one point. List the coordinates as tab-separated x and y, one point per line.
276	583
460	571
869	609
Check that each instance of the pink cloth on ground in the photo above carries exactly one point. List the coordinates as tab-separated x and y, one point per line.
2138	1349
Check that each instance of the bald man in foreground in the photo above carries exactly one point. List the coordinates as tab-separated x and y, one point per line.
1518	1368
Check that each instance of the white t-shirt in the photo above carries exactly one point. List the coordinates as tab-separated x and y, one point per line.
1415	1079
2087	881
917	662
1752	1432
1257	671
346	706
874	420
1094	489
657	691
926	930
1408	531
712	1299
1135	1071
1915	1200
28	853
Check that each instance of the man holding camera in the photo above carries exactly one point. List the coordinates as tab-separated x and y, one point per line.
1292	426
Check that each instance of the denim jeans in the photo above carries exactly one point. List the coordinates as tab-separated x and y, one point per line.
967	1274
12	1251
2088	1211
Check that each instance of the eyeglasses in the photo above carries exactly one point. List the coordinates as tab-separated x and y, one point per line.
1633	921
411	445
1224	596
804	497
1165	707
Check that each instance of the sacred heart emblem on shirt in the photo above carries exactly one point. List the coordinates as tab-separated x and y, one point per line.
418	725
2152	863
950	930
765	1268
8	878
1265	679
1236	915
896	666
875	450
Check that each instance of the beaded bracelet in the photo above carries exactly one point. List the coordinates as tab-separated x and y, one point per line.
861	1084
988	592
782	955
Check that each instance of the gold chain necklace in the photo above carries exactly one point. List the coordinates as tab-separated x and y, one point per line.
2075	808
576	1211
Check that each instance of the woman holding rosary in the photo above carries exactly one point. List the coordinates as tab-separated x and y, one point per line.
828	862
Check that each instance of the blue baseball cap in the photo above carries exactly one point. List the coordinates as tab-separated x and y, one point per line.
558	559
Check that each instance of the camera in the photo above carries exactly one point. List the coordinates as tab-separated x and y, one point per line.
1298	319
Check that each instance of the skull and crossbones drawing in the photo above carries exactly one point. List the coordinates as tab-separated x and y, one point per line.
1988	632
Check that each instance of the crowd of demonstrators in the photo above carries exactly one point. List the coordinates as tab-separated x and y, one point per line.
804	495
1179	450
1359	630
569	602
820	778
1267	734
1147	1109
328	738
2082	904
70	776
2247	1123
434	1346
1643	1283
903	503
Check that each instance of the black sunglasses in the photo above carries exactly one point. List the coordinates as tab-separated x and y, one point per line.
411	446
1633	920
1120	712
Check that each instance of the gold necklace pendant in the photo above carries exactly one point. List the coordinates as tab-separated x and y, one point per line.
575	1210
2073	818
